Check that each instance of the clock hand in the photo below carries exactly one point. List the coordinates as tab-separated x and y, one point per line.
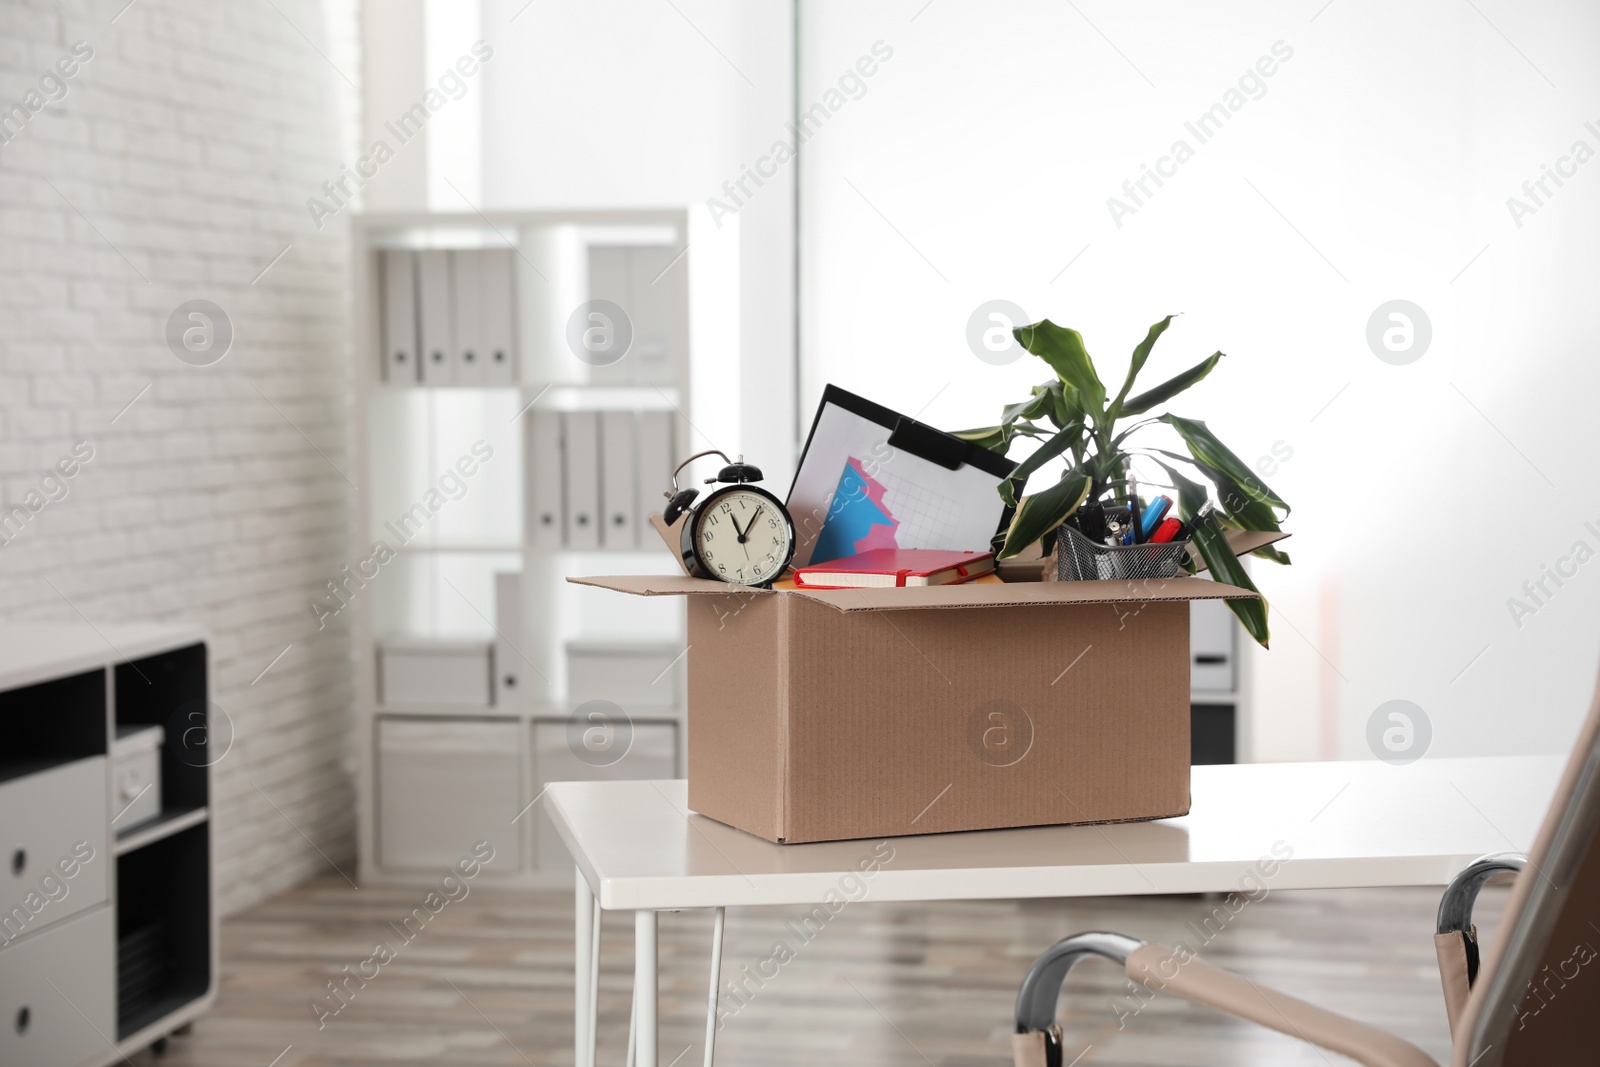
744	534
750	525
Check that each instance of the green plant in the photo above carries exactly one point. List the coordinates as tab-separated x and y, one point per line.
1087	429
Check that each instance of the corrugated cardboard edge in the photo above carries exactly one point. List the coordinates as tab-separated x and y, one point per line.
941	597
785	799
1024	594
1018	826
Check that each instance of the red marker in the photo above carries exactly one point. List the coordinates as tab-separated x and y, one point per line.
1166	531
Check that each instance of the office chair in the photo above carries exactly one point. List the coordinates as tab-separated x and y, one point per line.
1526	1003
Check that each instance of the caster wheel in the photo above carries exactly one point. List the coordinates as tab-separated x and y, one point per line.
184	1031
159	1046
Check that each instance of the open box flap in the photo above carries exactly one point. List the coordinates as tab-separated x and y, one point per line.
1242	542
969	595
667	585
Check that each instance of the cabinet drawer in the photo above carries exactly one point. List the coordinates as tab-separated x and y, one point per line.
444	785
53	850
41	1026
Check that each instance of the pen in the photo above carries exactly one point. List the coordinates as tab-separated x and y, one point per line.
1153	515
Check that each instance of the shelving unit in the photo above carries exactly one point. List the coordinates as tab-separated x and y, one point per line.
122	923
1219	727
418	815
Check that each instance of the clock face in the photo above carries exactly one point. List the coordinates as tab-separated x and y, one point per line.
743	536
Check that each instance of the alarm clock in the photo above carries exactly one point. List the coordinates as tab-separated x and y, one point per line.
739	533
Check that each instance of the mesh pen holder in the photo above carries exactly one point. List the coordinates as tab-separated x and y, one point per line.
1078	559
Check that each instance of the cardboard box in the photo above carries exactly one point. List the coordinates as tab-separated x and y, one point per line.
823	715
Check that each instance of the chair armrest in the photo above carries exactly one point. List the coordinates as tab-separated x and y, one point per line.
1184	975
1037	1042
1455	939
1455	905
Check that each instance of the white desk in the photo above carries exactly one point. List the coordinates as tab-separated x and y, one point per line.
1348	824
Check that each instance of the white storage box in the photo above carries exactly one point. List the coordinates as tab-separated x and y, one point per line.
637	676
136	775
435	670
443	786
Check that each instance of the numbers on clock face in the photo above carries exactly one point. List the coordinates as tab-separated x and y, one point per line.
743	538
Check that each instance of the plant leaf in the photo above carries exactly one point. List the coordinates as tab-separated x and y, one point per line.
1271	552
1049	450
1212	453
1237	506
1225	567
993	438
1068	409
1141	352
1042	512
1192	496
1063	350
1170	388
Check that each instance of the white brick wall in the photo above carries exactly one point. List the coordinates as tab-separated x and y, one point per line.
189	144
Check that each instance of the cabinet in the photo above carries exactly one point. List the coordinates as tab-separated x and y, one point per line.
518	455
1216	684
443	786
105	922
50	983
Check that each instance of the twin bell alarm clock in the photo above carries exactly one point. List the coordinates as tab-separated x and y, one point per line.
739	533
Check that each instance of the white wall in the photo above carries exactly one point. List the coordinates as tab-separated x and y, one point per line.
1376	166
177	167
621	104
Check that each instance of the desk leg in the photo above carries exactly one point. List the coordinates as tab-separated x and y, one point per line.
644	987
584	966
716	978
586	971
594	988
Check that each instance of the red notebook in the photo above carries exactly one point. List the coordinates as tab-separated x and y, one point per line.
887	567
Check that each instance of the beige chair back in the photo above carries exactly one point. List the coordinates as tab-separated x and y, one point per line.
1537	997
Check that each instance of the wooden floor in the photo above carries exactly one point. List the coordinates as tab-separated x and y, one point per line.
489	981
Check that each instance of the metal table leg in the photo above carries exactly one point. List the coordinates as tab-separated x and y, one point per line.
585	968
716	978
645	990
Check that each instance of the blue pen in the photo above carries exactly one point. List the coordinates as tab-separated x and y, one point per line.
1152	516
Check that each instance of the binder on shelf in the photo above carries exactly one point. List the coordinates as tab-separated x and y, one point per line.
654	311
637	278
543	517
619	492
399	286
580	440
654	471
466	283
510	667
435	318
500	317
